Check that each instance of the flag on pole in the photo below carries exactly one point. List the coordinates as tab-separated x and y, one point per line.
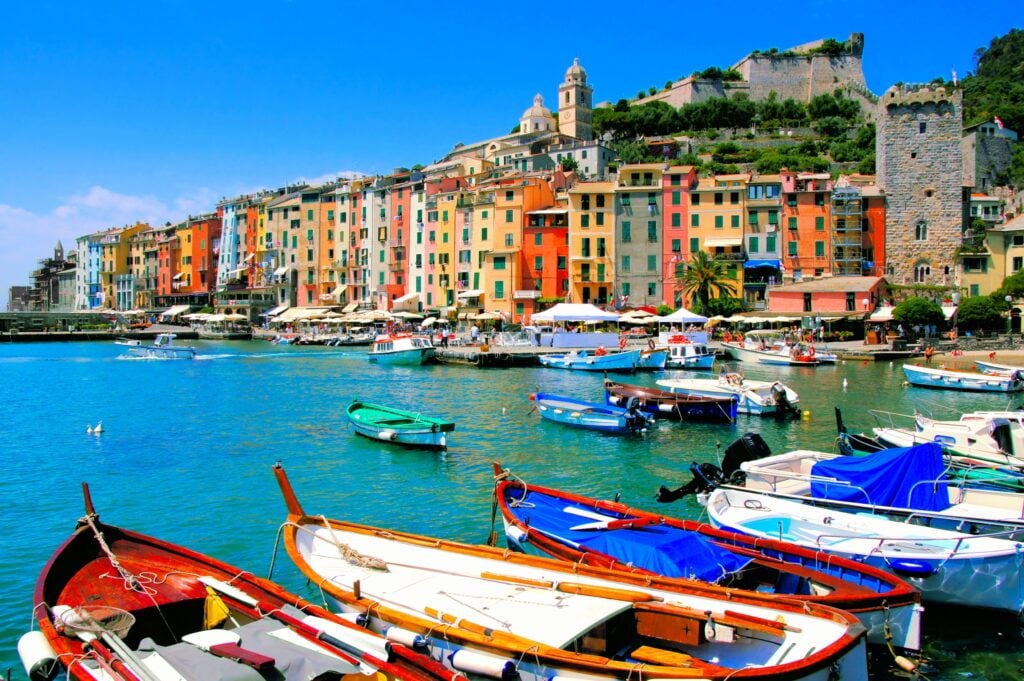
954	76
998	122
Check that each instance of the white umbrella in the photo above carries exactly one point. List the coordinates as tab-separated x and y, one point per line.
235	317
486	315
429	321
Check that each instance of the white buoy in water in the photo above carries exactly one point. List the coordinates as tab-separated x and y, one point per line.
88	429
98	429
504	410
846	384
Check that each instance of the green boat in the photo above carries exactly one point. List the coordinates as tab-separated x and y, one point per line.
398	426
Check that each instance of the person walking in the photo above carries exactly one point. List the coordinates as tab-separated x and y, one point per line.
474	334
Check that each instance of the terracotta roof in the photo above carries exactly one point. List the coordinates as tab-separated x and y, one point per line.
830	285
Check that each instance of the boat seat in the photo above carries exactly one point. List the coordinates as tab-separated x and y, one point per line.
394	422
660	656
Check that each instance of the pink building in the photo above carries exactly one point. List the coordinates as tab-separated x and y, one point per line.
847	296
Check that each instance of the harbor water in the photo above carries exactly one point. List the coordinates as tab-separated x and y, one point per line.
187	449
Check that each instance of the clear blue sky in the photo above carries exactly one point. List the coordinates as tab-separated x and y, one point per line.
114	112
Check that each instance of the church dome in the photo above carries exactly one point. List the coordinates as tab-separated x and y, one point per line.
575	73
538	109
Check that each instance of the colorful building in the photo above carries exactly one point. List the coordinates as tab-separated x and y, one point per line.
805	215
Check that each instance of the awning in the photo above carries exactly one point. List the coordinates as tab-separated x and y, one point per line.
948	311
406	298
274	311
175	310
882	314
351	307
470	293
177	276
750	264
280	270
722	243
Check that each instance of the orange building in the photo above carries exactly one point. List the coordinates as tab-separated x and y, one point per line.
676	184
806	224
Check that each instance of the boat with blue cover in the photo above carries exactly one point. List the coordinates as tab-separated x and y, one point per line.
593	360
606	418
929	377
676	552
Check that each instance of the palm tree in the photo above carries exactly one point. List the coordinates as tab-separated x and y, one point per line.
704	278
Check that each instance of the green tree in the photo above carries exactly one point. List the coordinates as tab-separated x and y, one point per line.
917	310
980	312
569	164
706	277
1013	286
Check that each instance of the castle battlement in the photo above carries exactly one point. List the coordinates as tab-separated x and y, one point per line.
920	95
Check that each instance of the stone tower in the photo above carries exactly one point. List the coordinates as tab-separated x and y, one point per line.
919	161
576	104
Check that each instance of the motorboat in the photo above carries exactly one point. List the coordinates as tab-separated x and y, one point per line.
681	554
508	615
669	405
402	349
593	360
653	359
684	354
113	604
755	397
947	567
973	440
990	367
606	418
399	426
770	347
162	347
947	379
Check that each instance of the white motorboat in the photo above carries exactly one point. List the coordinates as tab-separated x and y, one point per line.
755	397
929	377
161	348
977	439
770	347
682	354
946	566
593	360
401	348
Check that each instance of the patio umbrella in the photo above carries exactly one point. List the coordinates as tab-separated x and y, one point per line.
486	315
429	321
235	317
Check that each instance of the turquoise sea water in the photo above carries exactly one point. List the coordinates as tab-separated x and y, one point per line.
188	447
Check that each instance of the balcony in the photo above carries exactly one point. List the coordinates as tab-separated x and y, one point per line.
526	295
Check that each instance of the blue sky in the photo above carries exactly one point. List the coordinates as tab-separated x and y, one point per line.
114	112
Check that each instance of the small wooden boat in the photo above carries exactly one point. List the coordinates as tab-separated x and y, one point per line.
162	348
606	418
401	427
946	566
116	605
784	356
593	360
504	614
997	369
755	397
670	405
401	348
928	377
679	554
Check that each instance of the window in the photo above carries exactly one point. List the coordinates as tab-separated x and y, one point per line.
444	216
921	231
652	199
752	244
538	239
510	240
627	235
652	289
694	220
975	290
625	201
510	195
600	219
309	255
922	272
508	215
1018	262
625	263
734	220
769	243
625	289
792	248
695	199
922	127
819	199
652	231
976	265
719	198
585	272
677	197
677	220
538	262
694	244
752	218
499	289
808	302
499	262
675	180
432	236
585	202
652	263
483	233
601	251
734	198
792	223
585	220
719	221
819	249
585	248
819	223
677	246
561	262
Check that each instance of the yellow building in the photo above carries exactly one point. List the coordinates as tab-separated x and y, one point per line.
984	267
592	253
717	215
115	265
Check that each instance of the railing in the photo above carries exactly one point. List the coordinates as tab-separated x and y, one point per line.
526	295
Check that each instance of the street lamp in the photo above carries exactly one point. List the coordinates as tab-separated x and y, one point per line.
1009	318
864	302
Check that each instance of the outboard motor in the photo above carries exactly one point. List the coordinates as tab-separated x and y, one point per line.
636	419
783	408
708	476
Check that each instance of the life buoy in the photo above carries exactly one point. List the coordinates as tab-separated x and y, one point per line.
810	351
622	342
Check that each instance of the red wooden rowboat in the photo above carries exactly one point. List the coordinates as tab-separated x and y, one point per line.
116	605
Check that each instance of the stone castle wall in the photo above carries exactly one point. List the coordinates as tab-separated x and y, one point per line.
920	170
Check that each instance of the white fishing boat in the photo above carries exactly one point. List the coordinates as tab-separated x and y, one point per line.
909	484
974	440
682	354
928	377
593	360
401	348
652	359
946	566
503	614
997	369
755	397
163	347
770	347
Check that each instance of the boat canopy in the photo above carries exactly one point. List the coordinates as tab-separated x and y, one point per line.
903	477
661	549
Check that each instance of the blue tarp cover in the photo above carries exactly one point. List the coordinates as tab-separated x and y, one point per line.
665	550
750	264
887	478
